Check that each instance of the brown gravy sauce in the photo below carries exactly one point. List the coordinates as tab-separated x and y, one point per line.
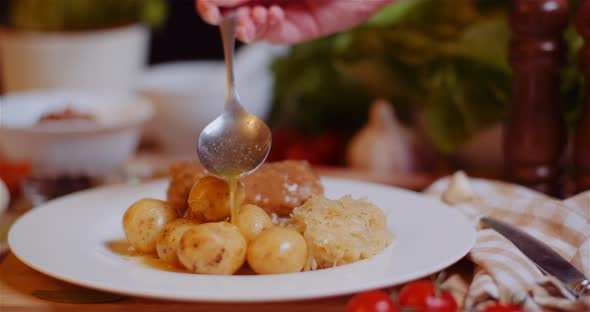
124	249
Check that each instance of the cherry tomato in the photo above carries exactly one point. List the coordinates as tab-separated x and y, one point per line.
282	138
329	146
371	301
303	151
325	149
500	307
422	297
13	175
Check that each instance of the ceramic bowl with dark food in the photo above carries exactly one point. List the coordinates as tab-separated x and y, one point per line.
72	133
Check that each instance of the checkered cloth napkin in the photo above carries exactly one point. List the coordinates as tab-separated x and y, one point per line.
502	272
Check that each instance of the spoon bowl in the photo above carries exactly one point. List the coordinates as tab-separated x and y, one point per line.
235	144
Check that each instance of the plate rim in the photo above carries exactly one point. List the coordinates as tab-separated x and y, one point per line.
381	283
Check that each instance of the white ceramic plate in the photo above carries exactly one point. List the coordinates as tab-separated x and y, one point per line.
68	239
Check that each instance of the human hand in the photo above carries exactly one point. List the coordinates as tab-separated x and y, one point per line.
290	21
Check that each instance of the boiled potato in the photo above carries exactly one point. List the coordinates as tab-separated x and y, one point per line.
213	248
209	199
167	243
277	250
252	220
144	221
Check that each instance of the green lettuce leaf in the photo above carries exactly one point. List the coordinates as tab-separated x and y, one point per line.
443	64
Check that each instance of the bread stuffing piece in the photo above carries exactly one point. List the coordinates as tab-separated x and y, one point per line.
340	231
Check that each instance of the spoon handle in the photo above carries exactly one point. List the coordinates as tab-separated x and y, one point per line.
228	34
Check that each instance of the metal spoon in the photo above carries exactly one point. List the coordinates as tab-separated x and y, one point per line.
236	143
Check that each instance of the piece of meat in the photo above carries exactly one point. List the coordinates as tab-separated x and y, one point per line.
279	187
183	175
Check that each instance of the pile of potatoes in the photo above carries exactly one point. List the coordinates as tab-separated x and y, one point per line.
203	242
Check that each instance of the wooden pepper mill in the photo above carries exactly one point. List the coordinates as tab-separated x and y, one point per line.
535	132
582	139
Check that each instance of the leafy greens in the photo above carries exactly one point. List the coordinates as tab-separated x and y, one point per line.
443	65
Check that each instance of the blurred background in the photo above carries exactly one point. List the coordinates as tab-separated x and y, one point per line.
180	34
421	89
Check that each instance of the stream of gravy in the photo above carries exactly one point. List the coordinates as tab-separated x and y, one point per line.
233	181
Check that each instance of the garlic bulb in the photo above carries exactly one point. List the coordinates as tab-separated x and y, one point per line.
383	146
4	197
459	189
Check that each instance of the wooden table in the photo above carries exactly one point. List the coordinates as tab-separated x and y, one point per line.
17	281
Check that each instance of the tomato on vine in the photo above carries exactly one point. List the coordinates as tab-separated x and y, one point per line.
371	301
425	296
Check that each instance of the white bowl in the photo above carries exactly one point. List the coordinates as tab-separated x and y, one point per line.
109	59
189	95
94	149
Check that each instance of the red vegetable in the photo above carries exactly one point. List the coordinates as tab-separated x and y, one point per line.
282	139
326	149
371	301
13	175
422	296
303	151
329	146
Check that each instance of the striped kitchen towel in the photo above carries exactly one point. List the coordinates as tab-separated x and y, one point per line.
502	272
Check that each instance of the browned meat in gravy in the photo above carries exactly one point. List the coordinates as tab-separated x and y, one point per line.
277	187
281	186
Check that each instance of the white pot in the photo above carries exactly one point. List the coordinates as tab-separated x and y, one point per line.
111	59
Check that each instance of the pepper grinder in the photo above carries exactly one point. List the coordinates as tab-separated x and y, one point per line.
535	132
582	138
